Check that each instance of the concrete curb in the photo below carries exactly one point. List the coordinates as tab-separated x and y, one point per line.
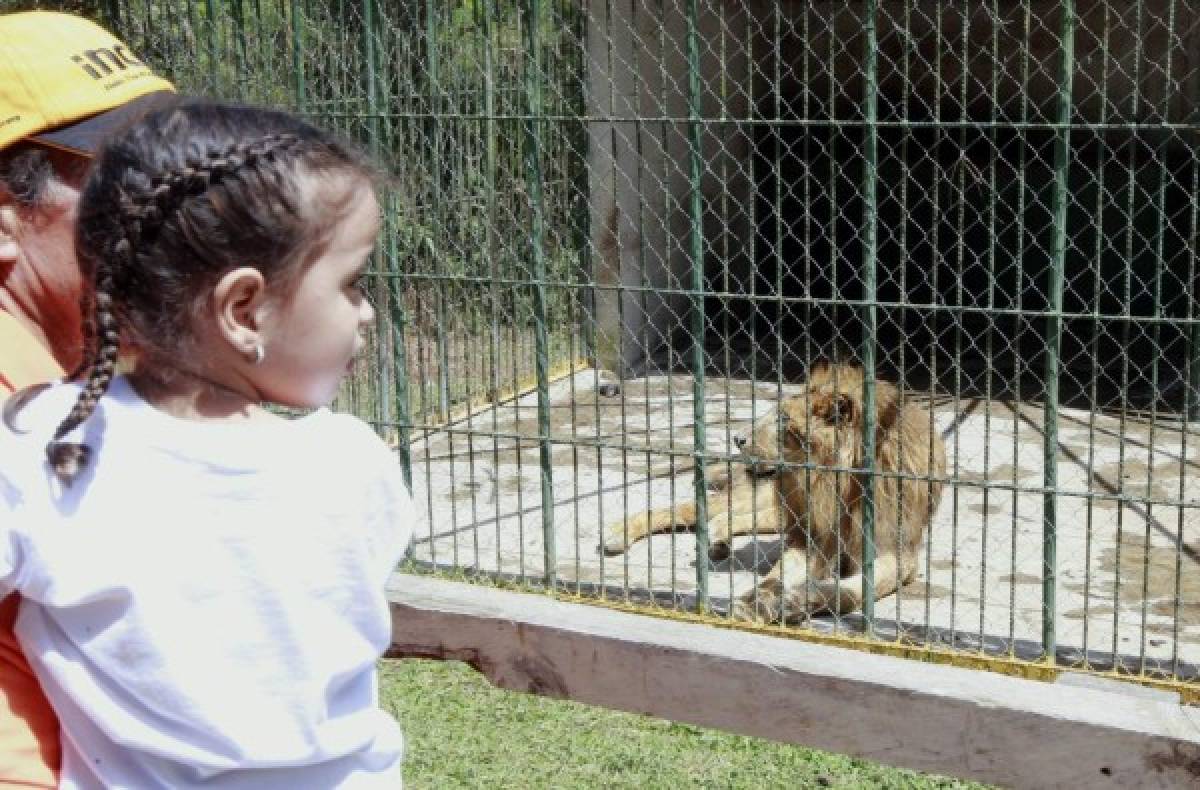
1008	731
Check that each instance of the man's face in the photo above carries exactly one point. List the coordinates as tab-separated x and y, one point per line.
48	228
45	274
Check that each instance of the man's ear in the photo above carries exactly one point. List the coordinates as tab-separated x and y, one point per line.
239	303
10	247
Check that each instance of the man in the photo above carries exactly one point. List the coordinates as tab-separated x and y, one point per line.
65	83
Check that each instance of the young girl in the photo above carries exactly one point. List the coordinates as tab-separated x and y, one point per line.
203	580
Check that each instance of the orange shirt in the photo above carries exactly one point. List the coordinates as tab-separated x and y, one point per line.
23	360
30	751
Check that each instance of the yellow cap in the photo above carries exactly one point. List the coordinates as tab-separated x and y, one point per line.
68	82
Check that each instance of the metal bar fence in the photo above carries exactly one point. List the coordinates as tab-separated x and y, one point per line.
620	238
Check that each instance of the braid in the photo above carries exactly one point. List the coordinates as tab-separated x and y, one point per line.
169	190
87	310
68	459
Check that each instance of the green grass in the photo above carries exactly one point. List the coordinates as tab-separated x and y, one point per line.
462	732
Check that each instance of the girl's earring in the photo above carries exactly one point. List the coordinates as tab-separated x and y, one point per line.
260	353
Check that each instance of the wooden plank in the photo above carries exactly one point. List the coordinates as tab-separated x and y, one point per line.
948	720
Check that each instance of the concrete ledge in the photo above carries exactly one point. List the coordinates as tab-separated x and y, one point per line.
947	720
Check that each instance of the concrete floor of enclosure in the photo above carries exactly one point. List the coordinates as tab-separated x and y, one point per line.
980	577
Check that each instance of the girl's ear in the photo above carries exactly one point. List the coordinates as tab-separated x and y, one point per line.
238	303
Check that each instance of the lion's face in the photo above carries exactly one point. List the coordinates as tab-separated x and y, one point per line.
820	425
761	446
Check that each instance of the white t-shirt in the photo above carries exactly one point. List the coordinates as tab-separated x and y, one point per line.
205	604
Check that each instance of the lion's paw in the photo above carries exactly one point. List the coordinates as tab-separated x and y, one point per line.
614	541
761	604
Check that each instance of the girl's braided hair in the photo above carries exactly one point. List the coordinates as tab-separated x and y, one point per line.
174	203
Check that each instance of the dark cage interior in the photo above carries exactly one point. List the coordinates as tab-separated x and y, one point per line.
966	182
964	260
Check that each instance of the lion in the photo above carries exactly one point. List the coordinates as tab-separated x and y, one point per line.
800	482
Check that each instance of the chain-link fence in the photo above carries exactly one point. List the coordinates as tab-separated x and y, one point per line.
987	207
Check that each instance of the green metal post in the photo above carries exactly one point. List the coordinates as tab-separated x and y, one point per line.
1131	191
396	309
963	164
434	145
383	400
491	246
1162	159
298	86
902	322
581	215
775	167
240	75
1062	149
1102	155
1018	322
399	320
533	174
214	61
988	351
870	242
1189	403
696	249
752	114
112	16
935	245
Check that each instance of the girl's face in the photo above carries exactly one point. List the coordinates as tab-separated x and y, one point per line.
313	331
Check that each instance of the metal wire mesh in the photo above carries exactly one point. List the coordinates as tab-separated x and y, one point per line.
989	205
